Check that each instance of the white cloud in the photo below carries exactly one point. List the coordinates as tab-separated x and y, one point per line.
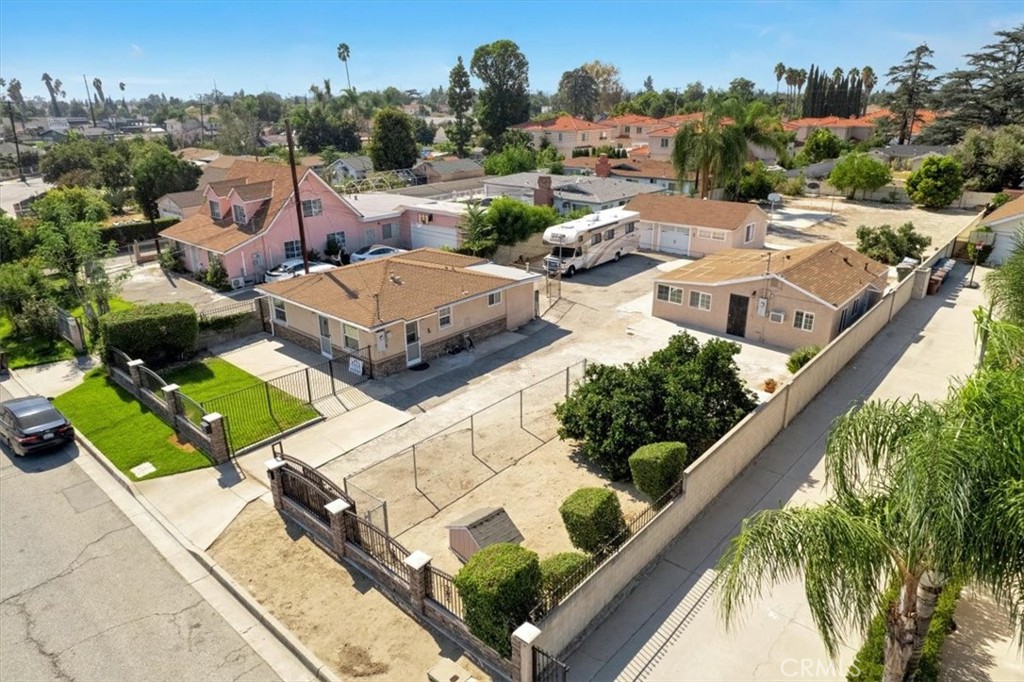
137	52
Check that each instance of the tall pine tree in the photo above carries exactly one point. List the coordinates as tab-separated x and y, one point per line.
460	103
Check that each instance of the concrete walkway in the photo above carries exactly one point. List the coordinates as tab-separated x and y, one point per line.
669	627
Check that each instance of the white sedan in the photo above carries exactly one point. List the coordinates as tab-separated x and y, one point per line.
293	267
375	251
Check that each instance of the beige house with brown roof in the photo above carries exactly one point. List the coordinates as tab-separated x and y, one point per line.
674	223
566	133
1006	222
789	299
397	312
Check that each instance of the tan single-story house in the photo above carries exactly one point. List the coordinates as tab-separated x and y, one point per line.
446	170
398	312
1006	222
678	224
180	205
792	298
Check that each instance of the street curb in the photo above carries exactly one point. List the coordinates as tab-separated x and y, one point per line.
319	669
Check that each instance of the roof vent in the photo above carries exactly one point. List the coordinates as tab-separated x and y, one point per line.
395	278
846	259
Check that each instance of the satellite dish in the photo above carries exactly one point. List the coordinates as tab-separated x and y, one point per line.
775	197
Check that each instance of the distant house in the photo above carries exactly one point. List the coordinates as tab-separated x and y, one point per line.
631	130
350	168
180	205
197	155
697	227
1006	222
51	135
799	297
565	192
847	129
908	156
446	170
641	170
566	133
403	310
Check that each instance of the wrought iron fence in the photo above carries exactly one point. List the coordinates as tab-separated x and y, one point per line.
228	309
385	549
441	588
547	668
371	507
306	493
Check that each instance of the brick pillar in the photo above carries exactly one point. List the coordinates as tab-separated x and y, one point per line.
136	375
921	277
418	563
339	533
274	475
213	424
522	652
171	401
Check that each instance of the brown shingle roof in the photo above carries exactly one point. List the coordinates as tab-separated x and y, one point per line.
223	235
830	271
256	190
628	168
403	287
1007	210
681	210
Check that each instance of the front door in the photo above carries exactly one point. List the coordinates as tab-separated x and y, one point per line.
412	343
736	324
325	337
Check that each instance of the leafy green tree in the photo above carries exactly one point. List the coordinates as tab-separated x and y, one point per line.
649	84
712	148
992	160
71	205
156	172
478	234
75	153
394	146
318	128
756	182
269	107
75	251
858	171
460	104
889	246
511	159
423	132
914	86
578	93
17	238
504	100
684	392
513	221
1005	285
609	85
741	89
823	144
238	131
114	163
937	183
21	283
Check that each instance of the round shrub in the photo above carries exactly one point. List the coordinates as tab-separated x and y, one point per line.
656	467
499	585
800	357
154	333
593	518
558	567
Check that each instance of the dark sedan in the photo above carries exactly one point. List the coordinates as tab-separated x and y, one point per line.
31	424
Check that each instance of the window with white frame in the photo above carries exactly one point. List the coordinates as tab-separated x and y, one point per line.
670	294
700	300
312	207
625	130
215	210
293	249
583	137
387	231
280	315
664	143
238	213
494	298
595	238
716	235
444	317
748	233
609	234
351	337
803	320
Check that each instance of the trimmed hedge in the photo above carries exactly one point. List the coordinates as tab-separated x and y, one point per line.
155	332
127	233
557	568
498	586
869	664
593	518
800	357
656	467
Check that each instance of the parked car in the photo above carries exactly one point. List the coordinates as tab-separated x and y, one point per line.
31	424
293	268
374	251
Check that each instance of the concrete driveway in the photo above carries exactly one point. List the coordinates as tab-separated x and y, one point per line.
150	284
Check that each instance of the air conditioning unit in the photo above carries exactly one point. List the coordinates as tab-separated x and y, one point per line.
777	316
237	282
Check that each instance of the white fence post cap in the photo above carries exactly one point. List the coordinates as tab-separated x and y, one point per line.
337	506
417	560
273	464
526	633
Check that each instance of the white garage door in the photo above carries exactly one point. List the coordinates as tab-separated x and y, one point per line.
674	239
646	235
434	237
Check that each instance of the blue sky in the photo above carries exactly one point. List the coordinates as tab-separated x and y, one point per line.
180	48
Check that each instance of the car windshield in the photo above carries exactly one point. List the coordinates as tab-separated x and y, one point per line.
379	252
44	414
562	252
280	268
363	250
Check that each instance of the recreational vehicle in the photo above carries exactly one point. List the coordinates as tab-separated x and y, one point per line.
591	240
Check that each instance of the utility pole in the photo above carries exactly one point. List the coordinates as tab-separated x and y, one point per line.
88	98
298	201
202	125
17	147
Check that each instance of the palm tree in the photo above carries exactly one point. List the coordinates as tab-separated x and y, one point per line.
757	123
327	89
343	54
854	74
53	94
97	85
801	79
780	71
870	80
712	147
792	77
837	75
123	103
922	494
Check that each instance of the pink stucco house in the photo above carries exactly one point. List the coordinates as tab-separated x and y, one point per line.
248	221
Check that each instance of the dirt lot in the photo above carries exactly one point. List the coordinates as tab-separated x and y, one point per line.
847	216
335	611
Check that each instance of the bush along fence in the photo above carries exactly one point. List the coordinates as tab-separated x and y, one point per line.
407	578
206	431
570	611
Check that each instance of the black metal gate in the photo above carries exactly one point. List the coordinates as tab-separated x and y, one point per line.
547	668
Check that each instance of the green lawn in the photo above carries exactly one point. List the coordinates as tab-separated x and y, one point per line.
253	411
30	351
125	430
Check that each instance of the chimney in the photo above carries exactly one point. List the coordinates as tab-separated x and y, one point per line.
543	195
604	167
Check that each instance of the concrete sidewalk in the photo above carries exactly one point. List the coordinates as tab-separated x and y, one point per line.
669	627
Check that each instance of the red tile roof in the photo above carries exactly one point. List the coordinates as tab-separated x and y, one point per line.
561	124
631	119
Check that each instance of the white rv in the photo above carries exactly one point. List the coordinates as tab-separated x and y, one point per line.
591	240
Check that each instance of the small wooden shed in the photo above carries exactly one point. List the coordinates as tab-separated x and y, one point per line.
482	528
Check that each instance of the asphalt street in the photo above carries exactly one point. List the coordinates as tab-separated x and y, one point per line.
85	596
